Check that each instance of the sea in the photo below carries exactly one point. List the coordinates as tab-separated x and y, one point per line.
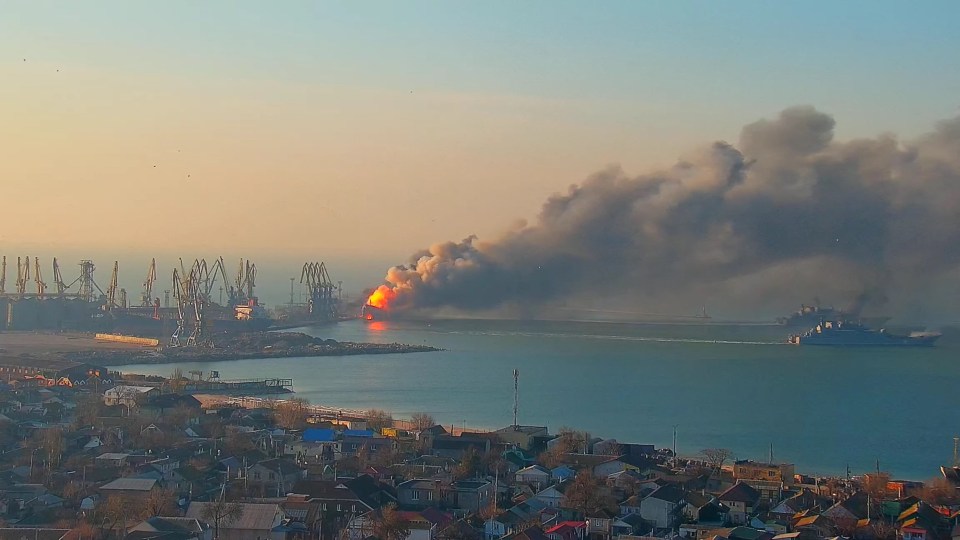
830	411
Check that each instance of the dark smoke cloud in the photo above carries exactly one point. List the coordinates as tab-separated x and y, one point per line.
787	214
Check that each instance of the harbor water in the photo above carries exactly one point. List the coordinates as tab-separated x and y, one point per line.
719	385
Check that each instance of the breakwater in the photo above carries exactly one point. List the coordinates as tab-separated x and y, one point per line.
245	346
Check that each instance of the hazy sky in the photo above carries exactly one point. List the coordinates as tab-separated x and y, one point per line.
359	132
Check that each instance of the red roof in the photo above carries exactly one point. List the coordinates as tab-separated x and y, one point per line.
566	524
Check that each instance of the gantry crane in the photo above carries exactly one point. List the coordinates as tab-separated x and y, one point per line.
322	303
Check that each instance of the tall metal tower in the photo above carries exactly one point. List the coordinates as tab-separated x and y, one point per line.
87	284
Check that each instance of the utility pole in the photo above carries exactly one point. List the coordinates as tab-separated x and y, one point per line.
291	291
675	442
516	398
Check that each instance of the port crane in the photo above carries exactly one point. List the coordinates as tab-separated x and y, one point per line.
322	303
3	276
146	296
116	296
246	280
38	278
180	296
23	276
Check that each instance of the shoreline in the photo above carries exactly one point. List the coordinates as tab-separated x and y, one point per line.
200	354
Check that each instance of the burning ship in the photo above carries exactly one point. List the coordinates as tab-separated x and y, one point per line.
377	305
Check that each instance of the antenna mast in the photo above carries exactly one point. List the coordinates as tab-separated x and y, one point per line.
516	396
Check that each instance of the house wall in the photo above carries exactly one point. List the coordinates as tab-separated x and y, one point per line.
531	477
604	470
738	512
658	511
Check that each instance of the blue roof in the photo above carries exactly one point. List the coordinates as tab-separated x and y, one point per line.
319	435
357	433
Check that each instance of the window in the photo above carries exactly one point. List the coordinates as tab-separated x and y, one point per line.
256	475
429	495
415	495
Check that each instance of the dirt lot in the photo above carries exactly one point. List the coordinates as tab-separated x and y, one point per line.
55	344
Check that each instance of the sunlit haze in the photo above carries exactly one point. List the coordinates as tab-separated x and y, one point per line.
358	133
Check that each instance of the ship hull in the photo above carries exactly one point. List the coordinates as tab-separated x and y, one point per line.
840	335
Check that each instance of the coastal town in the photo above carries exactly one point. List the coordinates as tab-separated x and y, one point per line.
88	452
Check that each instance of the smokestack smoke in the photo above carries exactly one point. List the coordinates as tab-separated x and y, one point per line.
787	207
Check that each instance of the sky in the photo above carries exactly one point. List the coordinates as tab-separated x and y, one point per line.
359	132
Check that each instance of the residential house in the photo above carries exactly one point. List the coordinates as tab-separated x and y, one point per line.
741	499
455	447
662	507
167	403
567	530
777	472
804	500
561	473
552	496
111	459
134	489
600	466
275	474
255	522
177	528
630	505
534	474
468	495
129	396
345	497
818	524
704	509
351	445
923	522
533	533
522	436
848	512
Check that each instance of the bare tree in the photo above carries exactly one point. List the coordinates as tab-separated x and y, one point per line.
159	502
377	419
117	511
292	413
221	513
177	381
87	410
388	524
716	457
422	421
588	495
938	491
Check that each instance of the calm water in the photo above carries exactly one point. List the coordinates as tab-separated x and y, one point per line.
723	386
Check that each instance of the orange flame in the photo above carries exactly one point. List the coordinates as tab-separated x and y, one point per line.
382	297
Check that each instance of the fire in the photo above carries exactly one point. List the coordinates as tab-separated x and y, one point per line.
382	297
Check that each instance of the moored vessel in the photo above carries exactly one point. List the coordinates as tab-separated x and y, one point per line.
848	334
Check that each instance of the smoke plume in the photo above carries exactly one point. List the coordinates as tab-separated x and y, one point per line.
785	215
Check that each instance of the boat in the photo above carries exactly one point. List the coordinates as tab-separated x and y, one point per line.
850	334
810	316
